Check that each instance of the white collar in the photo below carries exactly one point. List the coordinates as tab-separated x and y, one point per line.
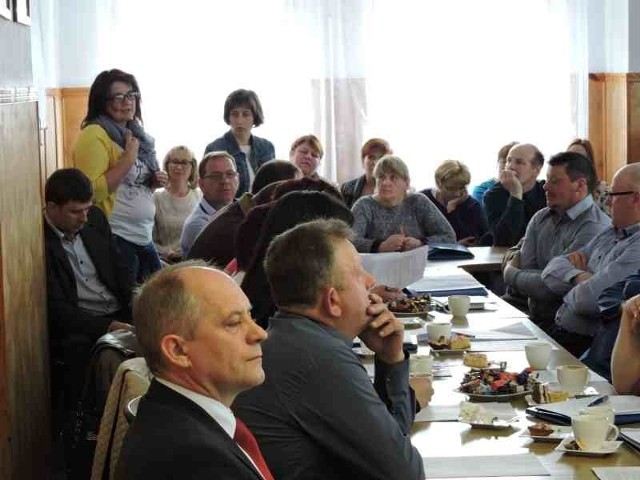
218	411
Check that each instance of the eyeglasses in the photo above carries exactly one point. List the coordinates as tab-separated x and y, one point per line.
221	177
181	163
606	195
120	97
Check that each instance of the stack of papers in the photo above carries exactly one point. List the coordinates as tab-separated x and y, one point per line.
631	436
445	285
396	269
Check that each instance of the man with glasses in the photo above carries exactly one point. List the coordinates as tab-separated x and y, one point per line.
219	184
581	276
569	222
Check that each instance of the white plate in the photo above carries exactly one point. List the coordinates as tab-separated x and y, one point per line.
607	449
500	397
412	322
588	392
559	433
420	313
497	424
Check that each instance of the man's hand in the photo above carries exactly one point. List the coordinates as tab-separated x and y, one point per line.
467	241
411	243
385	332
579	260
511	183
631	314
423	389
392	244
581	277
515	260
116	325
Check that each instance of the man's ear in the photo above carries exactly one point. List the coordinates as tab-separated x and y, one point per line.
175	351
331	302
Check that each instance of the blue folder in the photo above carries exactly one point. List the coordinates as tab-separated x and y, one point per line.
560	419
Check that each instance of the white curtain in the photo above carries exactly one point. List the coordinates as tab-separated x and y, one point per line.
438	79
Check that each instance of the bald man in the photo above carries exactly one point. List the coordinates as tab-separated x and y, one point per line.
517	196
582	276
195	328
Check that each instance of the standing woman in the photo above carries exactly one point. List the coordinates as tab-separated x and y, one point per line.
242	112
176	202
371	152
119	158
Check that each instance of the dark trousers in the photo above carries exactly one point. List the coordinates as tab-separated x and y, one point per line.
141	260
575	343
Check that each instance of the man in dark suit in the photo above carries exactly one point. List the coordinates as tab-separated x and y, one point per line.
195	327
88	291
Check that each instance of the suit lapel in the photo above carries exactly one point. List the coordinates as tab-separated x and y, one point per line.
58	255
163	394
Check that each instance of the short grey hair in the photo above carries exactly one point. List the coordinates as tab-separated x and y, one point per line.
391	164
163	306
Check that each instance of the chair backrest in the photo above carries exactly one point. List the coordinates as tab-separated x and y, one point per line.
132	380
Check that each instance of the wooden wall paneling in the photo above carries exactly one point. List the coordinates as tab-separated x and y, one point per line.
633	117
616	122
597	122
74	109
27	441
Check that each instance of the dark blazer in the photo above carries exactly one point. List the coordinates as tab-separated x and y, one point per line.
65	317
262	151
352	190
173	438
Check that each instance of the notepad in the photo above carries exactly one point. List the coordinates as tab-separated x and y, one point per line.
627	408
444	285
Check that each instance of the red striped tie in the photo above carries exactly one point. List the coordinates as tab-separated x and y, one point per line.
247	441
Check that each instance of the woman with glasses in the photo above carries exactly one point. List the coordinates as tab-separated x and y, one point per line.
393	220
176	202
242	112
450	195
119	158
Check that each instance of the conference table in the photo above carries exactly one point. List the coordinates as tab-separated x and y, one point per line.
462	443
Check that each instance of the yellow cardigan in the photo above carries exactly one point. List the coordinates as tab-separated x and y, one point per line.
95	153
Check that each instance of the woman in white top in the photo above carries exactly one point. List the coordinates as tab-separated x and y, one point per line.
175	202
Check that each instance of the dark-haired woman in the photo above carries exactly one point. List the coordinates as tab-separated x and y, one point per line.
242	112
119	158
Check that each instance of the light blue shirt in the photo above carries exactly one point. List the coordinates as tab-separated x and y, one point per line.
93	295
194	224
612	256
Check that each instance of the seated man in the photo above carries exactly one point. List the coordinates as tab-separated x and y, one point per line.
581	276
202	345
569	221
219	184
88	289
511	202
215	243
625	364
318	415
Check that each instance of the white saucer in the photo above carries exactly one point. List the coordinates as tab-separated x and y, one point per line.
557	435
497	424
607	448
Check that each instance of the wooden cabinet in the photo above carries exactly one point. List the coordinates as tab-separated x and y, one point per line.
614	120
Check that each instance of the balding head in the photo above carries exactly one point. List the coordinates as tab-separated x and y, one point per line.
195	328
624	199
525	160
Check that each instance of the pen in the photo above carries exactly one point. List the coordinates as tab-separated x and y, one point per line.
598	401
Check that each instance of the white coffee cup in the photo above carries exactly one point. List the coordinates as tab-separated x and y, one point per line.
435	330
573	378
420	365
591	431
604	411
459	305
538	354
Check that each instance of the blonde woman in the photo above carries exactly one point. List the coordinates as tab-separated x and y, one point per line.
175	202
393	220
450	195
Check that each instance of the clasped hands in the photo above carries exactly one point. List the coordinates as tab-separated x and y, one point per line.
384	334
580	261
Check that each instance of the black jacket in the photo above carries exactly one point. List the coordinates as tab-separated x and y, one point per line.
65	317
174	438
